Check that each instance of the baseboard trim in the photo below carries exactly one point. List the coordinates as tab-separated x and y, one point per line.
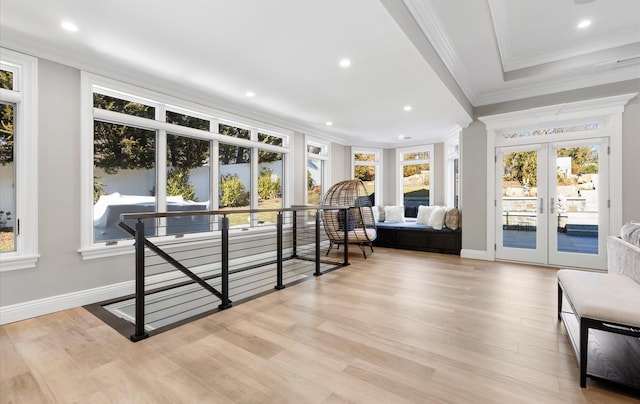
474	254
39	307
47	305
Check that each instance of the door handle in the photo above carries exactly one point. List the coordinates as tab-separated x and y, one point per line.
541	206
551	200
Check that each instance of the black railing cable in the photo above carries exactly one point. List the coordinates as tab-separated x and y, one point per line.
304	240
169	259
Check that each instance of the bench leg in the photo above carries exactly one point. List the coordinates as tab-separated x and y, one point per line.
559	302
584	347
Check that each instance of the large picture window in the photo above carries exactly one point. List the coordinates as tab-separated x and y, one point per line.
415	178
235	182
18	161
154	153
366	167
317	167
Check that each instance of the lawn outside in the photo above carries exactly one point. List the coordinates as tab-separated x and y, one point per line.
6	241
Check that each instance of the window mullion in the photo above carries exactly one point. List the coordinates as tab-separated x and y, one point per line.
215	175
9	96
254	184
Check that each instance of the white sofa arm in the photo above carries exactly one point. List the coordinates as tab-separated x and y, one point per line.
623	258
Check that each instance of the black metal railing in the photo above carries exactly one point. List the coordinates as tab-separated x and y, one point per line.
180	276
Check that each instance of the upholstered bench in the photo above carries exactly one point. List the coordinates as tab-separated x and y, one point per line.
608	301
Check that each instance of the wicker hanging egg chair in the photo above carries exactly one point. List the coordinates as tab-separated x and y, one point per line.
359	221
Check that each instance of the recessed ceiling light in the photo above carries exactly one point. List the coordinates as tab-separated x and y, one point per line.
584	23
69	26
407	108
345	63
329	123
250	94
403	137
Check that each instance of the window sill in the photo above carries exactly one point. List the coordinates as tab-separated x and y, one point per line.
124	247
14	262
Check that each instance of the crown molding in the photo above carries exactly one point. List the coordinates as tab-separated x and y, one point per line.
605	105
558	85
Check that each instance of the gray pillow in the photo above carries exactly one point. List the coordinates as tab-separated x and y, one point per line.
452	218
630	233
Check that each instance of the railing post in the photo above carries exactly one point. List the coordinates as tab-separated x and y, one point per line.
279	282
317	271
294	253
225	303
139	333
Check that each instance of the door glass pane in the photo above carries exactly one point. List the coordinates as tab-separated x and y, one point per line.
519	199
7	179
577	199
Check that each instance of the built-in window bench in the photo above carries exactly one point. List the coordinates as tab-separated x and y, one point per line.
420	237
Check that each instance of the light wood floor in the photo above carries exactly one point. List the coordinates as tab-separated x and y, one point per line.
398	327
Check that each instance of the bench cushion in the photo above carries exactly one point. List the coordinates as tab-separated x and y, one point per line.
602	296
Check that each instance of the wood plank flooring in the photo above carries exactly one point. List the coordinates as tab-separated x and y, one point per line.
399	327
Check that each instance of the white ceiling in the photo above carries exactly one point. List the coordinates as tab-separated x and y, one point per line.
501	50
287	52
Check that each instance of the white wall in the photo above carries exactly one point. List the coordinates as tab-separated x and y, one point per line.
340	169
473	193
60	269
631	160
437	176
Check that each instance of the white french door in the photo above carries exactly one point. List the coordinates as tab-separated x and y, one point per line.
551	205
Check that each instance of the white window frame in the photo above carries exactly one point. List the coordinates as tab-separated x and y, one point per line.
322	156
24	96
429	148
452	152
91	82
377	164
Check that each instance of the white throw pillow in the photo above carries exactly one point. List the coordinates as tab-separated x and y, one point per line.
376	213
424	214
381	216
394	214
436	221
630	233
